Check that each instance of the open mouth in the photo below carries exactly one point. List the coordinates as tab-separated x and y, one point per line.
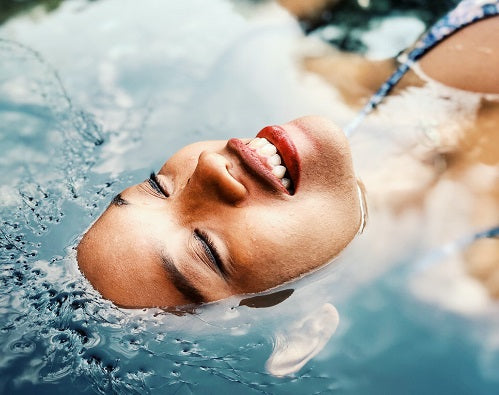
272	156
272	159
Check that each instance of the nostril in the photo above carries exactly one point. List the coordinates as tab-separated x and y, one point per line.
213	170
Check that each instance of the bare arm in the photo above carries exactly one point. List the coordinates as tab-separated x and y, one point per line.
469	59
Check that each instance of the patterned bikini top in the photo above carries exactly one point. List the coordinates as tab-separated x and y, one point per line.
465	13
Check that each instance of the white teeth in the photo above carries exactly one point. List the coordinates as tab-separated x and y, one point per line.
274	160
268	153
267	150
279	171
258	142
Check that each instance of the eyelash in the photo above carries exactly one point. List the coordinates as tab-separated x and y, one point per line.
156	185
211	251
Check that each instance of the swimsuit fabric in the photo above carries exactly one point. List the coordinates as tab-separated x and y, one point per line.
466	13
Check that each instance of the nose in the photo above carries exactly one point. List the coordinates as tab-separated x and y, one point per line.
212	178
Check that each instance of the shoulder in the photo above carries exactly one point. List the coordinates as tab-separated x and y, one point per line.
469	59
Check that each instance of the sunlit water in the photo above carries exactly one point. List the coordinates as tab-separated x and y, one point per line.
95	95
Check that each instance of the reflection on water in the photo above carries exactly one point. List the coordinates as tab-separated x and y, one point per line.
94	95
302	341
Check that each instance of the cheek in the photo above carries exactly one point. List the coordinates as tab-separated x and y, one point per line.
180	169
271	237
185	160
180	161
273	245
317	228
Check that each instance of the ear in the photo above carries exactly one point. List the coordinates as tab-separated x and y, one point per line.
267	300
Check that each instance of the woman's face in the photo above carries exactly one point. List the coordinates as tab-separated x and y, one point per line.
219	220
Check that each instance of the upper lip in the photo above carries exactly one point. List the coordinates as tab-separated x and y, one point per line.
252	161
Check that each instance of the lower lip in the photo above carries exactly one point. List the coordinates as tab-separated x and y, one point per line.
287	150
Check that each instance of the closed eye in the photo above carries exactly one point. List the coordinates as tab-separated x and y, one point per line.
211	251
155	184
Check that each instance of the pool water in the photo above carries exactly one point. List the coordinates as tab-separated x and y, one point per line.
93	96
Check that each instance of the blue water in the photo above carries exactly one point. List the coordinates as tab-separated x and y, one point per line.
96	94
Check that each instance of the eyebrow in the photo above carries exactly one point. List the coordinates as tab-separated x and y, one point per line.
183	285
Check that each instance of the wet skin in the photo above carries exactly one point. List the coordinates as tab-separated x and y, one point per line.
214	224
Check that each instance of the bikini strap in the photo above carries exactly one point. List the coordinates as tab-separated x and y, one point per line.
437	255
466	13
